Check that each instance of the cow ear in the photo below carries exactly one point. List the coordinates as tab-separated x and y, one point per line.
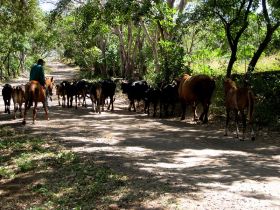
52	79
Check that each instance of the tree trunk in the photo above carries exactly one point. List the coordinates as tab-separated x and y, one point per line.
8	65
153	45
22	61
129	63
260	50
118	32
234	40
231	60
103	50
269	32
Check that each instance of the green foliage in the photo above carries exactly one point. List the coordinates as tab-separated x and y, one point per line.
266	85
171	59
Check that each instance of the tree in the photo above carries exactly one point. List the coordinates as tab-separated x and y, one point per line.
234	15
271	18
19	21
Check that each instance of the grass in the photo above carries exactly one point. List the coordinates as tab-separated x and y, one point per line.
218	66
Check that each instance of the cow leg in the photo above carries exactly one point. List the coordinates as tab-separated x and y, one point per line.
9	104
236	123
92	102
243	123
112	102
6	106
85	102
133	104
155	109
184	107
252	130
58	99
227	121
20	109
194	112
76	105
63	101
15	110
25	112
100	102
109	105
147	107
204	116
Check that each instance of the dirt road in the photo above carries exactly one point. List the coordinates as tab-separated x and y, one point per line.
204	169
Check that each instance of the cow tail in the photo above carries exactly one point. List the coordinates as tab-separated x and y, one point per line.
211	90
213	87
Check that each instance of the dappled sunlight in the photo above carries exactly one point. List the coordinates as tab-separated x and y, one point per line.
166	160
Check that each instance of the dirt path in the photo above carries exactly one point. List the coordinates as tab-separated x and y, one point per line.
203	169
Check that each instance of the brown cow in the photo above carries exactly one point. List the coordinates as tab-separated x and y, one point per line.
194	90
18	99
239	99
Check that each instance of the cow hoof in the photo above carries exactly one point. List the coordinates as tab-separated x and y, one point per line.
253	138
24	122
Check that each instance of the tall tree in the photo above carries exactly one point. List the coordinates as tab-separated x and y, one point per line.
234	15
271	18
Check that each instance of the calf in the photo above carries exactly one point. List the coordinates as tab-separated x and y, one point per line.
71	93
18	96
152	95
82	88
7	95
95	93
168	97
108	91
61	91
135	91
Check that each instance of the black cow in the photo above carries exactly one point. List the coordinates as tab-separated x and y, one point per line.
82	88
108	90
134	91
95	92
152	96
71	92
7	95
169	97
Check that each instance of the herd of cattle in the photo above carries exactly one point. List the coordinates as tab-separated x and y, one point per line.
73	93
188	90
